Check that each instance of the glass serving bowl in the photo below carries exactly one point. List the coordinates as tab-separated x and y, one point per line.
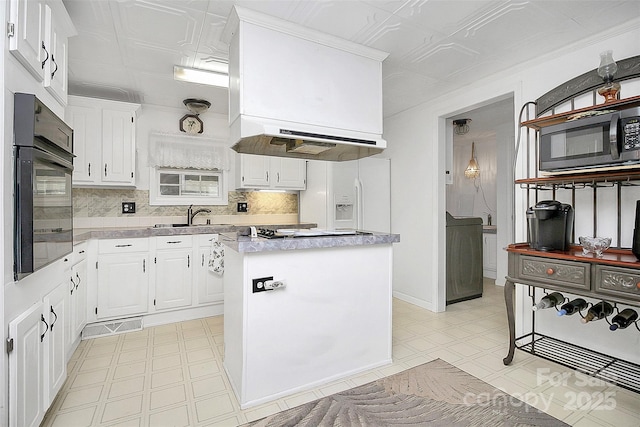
595	245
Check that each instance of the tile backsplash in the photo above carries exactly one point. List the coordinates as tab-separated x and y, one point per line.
103	208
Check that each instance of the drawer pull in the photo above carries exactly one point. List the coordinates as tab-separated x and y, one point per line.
175	241
550	271
122	246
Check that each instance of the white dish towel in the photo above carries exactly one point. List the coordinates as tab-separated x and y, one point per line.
216	257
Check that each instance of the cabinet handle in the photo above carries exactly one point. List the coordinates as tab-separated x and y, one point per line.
175	241
550	271
105	169
89	169
267	176
53	73
45	59
122	246
188	261
203	264
79	280
54	320
144	265
46	324
81	252
73	285
278	177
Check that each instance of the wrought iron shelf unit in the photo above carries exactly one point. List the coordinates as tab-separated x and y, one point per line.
600	278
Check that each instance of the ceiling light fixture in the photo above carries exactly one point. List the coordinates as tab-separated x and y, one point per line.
473	170
204	77
461	126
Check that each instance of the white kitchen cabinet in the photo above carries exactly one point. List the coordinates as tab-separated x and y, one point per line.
78	295
56	69
26	34
209	285
26	368
123	278
489	255
174	272
37	358
38	37
265	172
104	141
55	340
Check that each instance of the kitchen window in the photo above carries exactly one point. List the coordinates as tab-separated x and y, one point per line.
187	170
187	186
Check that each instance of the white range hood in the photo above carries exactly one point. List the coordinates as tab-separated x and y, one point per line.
296	92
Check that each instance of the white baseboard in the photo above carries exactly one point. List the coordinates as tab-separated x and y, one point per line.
415	301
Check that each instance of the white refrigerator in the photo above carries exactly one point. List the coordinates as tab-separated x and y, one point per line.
354	195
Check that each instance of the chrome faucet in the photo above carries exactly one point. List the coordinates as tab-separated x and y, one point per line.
191	214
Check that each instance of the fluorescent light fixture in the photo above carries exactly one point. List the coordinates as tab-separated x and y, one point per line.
204	77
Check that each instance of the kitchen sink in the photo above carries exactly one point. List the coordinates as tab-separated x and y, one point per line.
170	225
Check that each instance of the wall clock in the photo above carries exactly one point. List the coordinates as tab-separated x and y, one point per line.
191	123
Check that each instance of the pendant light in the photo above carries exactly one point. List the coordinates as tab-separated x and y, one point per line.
473	170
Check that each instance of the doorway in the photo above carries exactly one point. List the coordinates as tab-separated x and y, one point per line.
486	134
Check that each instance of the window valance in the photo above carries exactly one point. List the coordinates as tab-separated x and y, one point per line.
172	150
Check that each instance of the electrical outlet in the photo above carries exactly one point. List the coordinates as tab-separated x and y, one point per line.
258	284
128	207
243	206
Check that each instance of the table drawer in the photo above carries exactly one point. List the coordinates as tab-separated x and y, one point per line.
561	273
618	281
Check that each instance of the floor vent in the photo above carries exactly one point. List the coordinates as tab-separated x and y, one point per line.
112	327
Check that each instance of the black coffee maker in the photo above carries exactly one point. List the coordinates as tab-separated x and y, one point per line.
550	225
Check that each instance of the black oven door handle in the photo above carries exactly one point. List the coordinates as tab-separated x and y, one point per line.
54	159
613	136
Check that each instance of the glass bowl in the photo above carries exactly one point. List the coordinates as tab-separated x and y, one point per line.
595	245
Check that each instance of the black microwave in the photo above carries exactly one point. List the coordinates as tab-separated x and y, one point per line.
605	140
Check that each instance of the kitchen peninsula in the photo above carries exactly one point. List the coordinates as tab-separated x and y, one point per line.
328	316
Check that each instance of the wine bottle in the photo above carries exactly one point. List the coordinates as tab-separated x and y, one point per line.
572	307
549	301
623	319
598	311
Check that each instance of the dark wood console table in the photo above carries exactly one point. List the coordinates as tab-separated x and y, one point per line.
615	278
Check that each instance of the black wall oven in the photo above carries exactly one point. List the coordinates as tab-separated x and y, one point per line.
43	209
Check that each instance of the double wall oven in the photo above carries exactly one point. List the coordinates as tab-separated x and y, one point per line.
43	211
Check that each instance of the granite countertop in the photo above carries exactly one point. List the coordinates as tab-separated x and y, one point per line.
259	244
83	234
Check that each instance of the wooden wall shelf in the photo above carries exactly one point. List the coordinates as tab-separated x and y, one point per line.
555	119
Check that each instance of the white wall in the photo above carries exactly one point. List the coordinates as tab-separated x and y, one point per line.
416	146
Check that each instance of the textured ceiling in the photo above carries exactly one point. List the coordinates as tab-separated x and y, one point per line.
125	49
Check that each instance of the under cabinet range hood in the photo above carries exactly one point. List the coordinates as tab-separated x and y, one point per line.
296	92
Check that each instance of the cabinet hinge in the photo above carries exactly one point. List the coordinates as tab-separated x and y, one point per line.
9	345
11	29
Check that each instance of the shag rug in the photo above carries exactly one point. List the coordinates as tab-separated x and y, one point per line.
433	394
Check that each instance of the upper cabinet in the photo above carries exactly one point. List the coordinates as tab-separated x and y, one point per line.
103	141
38	32
265	172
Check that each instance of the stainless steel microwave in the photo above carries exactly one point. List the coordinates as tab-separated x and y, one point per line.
603	141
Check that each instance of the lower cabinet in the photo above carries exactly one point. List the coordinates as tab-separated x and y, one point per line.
123	278
489	255
142	276
26	368
173	262
209	285
37	358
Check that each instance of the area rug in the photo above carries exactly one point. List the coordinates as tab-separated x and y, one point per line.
433	394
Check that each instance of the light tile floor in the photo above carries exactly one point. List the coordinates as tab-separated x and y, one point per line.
172	375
